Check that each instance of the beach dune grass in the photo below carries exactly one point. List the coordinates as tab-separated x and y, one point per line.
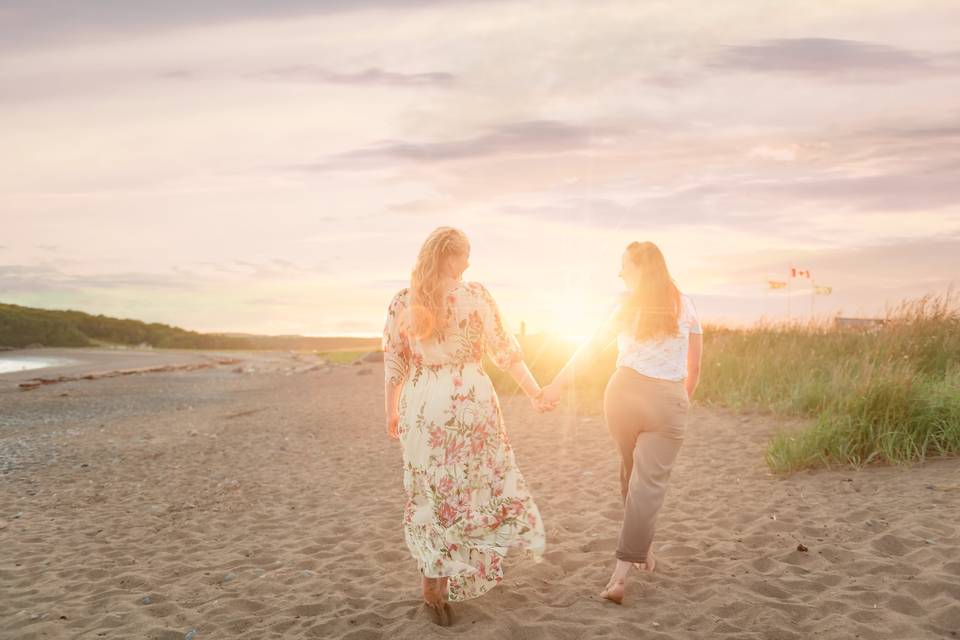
888	395
888	414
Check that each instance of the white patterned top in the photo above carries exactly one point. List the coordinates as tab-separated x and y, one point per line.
664	358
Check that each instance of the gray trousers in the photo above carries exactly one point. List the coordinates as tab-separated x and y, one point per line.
647	418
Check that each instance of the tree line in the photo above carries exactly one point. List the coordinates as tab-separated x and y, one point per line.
27	326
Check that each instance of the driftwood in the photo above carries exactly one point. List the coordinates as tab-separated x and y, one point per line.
39	382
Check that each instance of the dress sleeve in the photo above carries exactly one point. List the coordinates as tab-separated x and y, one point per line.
396	344
500	344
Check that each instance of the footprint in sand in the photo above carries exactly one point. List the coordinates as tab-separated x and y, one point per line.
890	545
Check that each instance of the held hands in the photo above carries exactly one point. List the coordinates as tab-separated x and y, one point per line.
540	405
550	397
546	400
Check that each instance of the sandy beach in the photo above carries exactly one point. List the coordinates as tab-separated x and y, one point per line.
263	500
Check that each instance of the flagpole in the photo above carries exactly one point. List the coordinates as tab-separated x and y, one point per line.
789	278
766	302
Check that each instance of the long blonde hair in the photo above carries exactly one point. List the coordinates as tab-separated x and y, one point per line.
428	305
653	308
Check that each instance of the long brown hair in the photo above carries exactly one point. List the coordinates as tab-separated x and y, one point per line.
428	300
653	309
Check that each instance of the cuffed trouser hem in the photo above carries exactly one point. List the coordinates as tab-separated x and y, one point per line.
626	557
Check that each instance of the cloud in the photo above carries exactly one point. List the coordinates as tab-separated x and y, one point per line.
176	74
18	278
922	190
44	277
101	84
372	76
28	23
275	268
893	263
704	208
941	131
829	59
420	206
654	211
825	58
522	138
800	202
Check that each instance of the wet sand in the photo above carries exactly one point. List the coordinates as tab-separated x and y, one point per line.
264	500
84	361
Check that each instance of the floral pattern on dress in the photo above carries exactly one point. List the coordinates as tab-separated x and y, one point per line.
467	501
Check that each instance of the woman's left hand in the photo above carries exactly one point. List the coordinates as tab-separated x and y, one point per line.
551	395
545	401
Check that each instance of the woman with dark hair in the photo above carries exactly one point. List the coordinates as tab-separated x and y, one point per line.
646	401
467	502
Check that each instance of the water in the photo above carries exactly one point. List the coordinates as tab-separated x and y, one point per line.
10	364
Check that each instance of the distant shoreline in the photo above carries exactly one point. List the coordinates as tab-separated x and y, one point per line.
33	327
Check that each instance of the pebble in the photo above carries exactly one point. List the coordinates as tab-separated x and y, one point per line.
307	573
229	577
146	600
190	634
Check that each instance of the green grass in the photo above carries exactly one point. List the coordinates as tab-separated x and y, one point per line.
341	357
890	395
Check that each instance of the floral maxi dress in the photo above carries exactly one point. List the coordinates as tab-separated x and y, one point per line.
467	502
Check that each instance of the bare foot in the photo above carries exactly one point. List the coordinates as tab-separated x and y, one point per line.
618	583
614	591
649	566
435	600
445	588
438	615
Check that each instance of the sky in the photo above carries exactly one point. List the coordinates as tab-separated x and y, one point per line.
273	167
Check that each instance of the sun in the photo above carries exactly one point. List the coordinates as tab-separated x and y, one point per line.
573	315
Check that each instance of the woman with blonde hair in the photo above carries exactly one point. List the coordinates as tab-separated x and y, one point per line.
647	398
467	502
